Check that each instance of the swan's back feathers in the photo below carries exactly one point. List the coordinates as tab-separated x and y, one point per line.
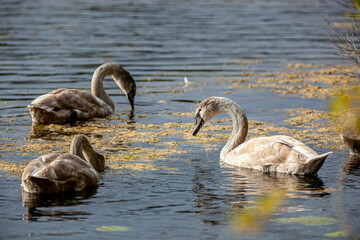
41	185
276	154
66	105
58	172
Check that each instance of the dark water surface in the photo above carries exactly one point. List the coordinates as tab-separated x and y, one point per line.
46	45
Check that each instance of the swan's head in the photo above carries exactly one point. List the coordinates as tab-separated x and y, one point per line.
100	162
126	83
205	111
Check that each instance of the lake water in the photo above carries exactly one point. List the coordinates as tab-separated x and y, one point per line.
46	45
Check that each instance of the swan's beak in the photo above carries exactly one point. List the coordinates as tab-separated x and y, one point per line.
131	97
199	122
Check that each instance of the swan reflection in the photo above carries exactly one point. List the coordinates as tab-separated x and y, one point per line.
40	207
254	182
217	202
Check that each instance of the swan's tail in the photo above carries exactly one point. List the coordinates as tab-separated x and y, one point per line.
353	144
41	185
45	114
315	163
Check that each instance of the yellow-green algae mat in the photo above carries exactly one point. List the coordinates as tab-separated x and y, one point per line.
135	145
303	80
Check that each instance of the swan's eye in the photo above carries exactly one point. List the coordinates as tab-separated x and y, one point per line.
198	113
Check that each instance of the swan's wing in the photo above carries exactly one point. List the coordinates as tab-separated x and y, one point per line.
264	152
73	99
38	164
63	169
66	166
296	145
276	154
62	105
33	168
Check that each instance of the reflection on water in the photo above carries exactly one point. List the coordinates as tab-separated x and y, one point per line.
346	198
207	198
264	195
352	165
46	133
38	205
254	182
241	188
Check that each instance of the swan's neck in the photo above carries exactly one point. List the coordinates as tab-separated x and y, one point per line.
97	87
240	126
81	147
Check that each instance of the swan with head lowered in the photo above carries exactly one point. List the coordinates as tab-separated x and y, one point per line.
68	105
54	173
277	153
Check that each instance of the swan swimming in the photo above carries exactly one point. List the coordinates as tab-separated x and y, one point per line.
54	173
277	153
68	105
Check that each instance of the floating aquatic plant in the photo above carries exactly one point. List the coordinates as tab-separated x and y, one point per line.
129	143
307	81
113	228
135	143
337	234
306	220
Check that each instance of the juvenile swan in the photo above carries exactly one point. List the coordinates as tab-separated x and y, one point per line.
67	105
54	173
268	154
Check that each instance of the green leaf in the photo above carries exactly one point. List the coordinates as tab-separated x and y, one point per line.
337	234
113	228
307	220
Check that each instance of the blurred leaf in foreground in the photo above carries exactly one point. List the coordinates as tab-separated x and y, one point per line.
357	4
347	104
253	219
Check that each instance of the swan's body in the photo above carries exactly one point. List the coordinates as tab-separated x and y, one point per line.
68	105
352	143
53	173
268	154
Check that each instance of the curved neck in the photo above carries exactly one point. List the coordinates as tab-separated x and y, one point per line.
240	126
97	87
81	147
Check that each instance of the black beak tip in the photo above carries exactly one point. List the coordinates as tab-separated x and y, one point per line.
199	122
131	101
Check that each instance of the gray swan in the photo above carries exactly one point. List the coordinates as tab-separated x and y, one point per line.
54	173
68	105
